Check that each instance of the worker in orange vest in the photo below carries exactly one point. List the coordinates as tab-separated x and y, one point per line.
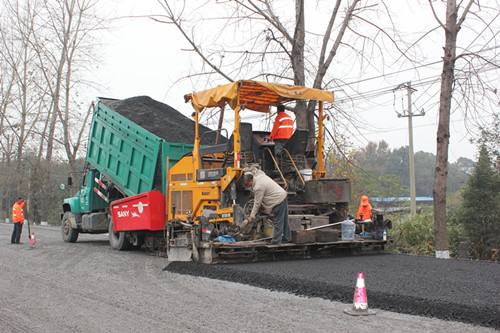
282	129
364	210
18	220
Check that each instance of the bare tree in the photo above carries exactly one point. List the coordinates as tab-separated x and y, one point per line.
7	78
45	49
72	23
22	91
456	15
268	44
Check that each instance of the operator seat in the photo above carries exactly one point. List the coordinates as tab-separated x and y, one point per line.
297	144
246	139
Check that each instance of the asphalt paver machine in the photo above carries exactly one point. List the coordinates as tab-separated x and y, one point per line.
207	202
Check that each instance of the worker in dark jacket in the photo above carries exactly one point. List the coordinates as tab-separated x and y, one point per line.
282	129
272	199
18	220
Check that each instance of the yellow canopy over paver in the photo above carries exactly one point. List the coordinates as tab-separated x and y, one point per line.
254	95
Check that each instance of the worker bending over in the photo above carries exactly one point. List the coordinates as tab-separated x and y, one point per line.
272	198
282	129
364	210
18	220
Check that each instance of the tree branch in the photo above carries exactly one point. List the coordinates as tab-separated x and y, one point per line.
271	18
323	67
176	22
435	15
464	14
328	32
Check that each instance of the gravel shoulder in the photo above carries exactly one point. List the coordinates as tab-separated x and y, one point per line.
87	287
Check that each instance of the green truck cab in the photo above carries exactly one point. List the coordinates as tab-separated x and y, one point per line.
85	200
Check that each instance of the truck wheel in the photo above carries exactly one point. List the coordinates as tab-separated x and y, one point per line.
118	240
69	234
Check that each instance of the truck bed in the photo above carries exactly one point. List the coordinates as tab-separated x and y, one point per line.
131	141
158	118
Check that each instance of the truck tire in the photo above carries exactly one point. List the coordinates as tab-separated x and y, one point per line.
118	240
69	234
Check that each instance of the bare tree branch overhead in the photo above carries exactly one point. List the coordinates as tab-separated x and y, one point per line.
173	19
287	49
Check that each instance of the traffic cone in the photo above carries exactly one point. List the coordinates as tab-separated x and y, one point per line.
32	240
360	303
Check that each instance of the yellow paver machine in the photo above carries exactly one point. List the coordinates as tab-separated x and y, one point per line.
207	202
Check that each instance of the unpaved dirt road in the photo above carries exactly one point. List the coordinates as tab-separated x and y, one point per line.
87	287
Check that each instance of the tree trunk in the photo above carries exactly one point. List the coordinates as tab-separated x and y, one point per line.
52	125
24	104
297	61
443	132
311	139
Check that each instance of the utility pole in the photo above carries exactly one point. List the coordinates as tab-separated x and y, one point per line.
411	156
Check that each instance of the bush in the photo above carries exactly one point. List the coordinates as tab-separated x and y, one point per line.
479	214
414	235
459	243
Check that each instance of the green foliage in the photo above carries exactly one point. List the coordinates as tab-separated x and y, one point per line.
384	171
376	186
490	137
479	214
414	235
459	243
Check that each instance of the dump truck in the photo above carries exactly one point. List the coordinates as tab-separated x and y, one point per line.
185	198
131	145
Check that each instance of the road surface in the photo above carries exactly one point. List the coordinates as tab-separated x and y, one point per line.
87	287
461	290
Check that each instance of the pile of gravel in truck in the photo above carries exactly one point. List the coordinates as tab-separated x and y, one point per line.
159	118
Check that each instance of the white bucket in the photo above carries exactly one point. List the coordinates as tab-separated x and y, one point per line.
307	174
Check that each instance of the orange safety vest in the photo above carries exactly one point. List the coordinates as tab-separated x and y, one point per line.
17	212
365	209
283	127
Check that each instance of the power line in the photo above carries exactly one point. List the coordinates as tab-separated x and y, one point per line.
389	74
385	90
389	89
406	128
407	69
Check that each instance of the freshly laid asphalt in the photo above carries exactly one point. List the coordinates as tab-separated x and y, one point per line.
460	290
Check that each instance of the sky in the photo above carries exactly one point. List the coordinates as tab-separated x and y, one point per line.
139	56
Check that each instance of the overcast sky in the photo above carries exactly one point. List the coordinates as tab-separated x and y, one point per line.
142	57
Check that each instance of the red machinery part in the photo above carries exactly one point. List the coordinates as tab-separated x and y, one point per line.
145	211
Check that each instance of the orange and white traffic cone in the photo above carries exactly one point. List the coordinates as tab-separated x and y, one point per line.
32	240
360	303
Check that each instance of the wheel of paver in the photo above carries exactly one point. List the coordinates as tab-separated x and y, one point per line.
118	240
69	234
